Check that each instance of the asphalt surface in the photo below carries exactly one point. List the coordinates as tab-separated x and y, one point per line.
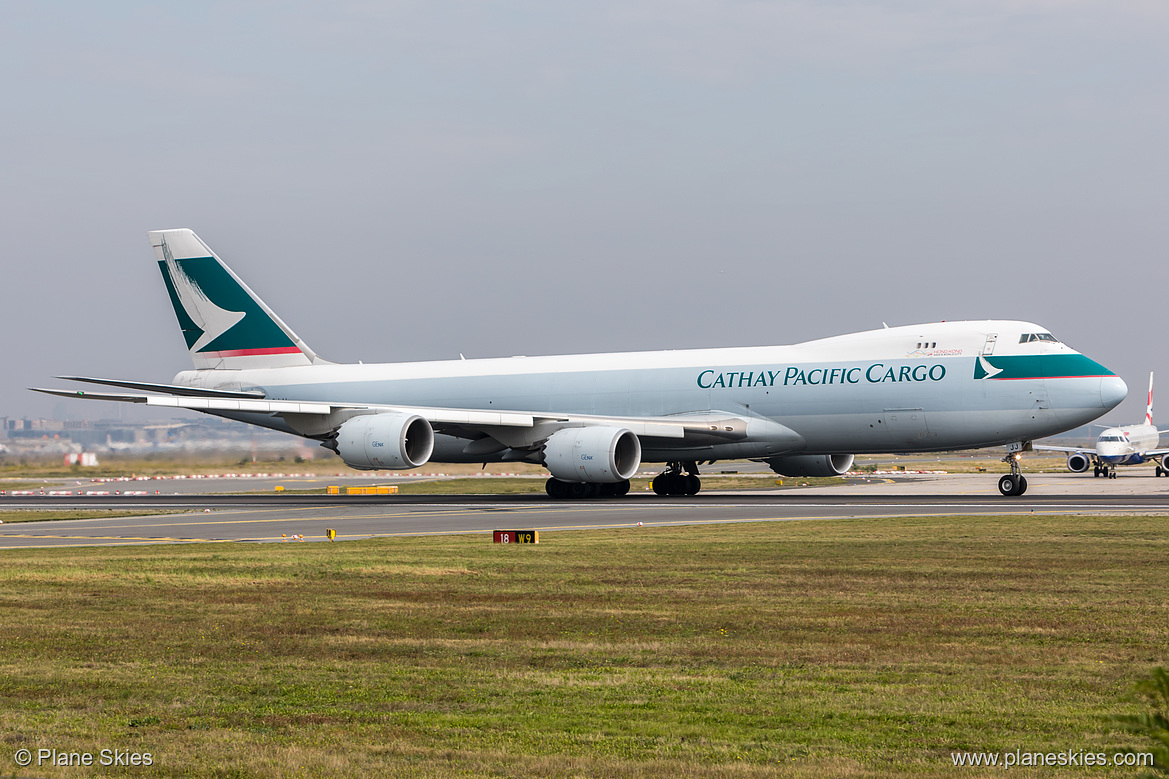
274	517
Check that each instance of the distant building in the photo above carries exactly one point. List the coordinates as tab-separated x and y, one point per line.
45	437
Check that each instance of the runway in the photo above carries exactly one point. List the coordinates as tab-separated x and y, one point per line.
275	517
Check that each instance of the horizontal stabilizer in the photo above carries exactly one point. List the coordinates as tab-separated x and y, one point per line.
169	389
200	403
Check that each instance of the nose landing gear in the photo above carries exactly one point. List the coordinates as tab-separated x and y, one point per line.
1014	483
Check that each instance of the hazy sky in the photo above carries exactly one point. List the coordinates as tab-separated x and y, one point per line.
407	180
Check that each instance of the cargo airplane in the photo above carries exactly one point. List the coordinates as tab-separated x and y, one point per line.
591	420
1124	445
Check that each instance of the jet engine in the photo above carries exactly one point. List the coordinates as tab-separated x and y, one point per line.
1078	462
390	440
592	454
812	464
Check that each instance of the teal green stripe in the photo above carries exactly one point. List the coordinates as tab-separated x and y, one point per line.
1041	366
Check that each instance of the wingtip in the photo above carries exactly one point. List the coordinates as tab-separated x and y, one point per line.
62	393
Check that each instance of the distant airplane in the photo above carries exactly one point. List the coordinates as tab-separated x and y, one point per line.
592	419
1125	445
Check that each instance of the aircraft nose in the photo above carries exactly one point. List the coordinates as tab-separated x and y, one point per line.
1113	390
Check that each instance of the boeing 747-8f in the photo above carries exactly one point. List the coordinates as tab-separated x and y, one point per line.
592	419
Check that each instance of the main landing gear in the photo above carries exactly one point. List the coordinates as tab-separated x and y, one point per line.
1014	483
1107	471
678	479
570	490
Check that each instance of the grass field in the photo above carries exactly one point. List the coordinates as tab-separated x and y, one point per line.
842	648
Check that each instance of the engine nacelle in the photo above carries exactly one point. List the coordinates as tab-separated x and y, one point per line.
592	454
373	441
1078	462
812	464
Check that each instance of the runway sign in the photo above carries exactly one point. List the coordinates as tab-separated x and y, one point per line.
517	537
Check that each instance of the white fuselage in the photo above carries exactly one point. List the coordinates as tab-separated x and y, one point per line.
931	387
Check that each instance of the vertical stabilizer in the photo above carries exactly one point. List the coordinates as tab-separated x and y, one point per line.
1149	407
224	323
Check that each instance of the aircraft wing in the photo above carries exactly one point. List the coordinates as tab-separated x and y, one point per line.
1045	448
314	418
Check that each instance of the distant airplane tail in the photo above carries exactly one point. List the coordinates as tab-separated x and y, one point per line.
224	323
1149	406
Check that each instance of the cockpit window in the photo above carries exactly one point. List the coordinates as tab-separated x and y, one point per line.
1028	337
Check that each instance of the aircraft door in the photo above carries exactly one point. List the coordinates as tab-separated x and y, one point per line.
991	340
1041	403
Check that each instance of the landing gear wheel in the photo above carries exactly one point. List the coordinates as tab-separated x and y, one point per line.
677	479
669	484
556	489
1012	485
1096	472
614	489
581	490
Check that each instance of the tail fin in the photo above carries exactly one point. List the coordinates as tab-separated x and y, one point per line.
1149	407
225	324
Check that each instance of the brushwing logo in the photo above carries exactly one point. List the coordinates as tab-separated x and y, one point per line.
209	318
219	316
984	370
